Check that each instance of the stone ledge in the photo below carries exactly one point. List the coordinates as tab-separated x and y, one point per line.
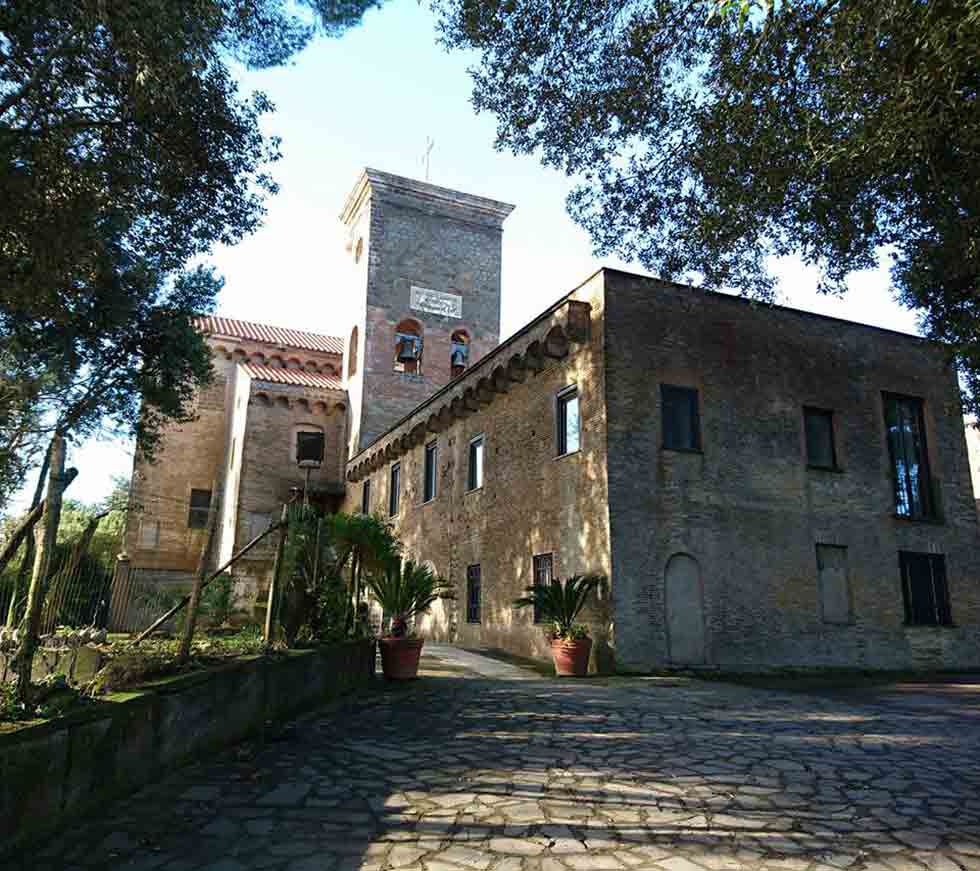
54	771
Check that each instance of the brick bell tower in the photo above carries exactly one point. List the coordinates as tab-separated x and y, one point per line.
426	264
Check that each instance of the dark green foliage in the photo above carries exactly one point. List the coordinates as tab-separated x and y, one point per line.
126	150
560	602
322	570
703	144
218	600
405	589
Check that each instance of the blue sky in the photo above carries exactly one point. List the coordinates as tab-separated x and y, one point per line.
371	98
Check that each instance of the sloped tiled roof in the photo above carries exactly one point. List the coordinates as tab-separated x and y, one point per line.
215	326
293	376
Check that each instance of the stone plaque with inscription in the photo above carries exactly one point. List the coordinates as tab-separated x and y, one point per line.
449	305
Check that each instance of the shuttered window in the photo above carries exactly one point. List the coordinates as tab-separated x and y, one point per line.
924	590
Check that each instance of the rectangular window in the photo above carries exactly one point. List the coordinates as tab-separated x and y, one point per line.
682	425
835	594
309	449
924	588
906	430
394	489
543	573
197	517
820	450
473	594
149	535
569	422
366	496
429	472
474	476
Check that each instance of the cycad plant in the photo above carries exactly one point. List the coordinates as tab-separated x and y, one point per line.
560	602
404	589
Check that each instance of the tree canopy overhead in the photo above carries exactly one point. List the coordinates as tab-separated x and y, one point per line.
704	143
126	150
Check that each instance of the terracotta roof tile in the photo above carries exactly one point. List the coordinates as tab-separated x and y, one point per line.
279	336
293	376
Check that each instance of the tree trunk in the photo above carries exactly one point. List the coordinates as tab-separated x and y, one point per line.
274	582
68	575
195	600
27	563
46	538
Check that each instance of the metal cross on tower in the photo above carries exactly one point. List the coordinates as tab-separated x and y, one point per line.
429	145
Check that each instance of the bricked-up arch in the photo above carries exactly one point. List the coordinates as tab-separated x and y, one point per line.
408	346
459	352
352	354
684	601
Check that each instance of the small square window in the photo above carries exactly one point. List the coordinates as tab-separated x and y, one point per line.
924	591
197	517
473	594
681	419
543	573
394	489
366	496
474	475
821	452
429	472
569	422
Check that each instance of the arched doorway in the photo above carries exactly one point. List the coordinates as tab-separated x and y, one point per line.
685	610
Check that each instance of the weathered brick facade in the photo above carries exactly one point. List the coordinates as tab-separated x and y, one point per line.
531	502
724	544
749	510
717	544
241	448
406	234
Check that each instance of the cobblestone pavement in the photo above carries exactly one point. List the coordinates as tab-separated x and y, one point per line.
463	772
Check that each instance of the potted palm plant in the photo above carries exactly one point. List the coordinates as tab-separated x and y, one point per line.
403	590
559	603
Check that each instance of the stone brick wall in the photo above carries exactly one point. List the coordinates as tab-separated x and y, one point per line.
531	502
749	510
412	233
267	472
191	457
200	455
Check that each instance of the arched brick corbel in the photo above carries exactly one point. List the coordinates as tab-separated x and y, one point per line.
556	343
534	357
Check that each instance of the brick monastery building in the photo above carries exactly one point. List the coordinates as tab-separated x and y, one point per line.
762	486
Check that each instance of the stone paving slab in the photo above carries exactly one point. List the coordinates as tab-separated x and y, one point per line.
463	772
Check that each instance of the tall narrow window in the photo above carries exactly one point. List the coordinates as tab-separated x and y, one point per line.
474	476
543	572
924	589
429	472
366	496
905	424
473	594
681	419
569	422
197	517
820	450
394	489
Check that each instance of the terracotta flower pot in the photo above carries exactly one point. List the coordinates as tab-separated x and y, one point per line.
571	657
400	657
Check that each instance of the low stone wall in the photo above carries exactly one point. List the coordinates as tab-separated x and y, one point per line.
56	770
